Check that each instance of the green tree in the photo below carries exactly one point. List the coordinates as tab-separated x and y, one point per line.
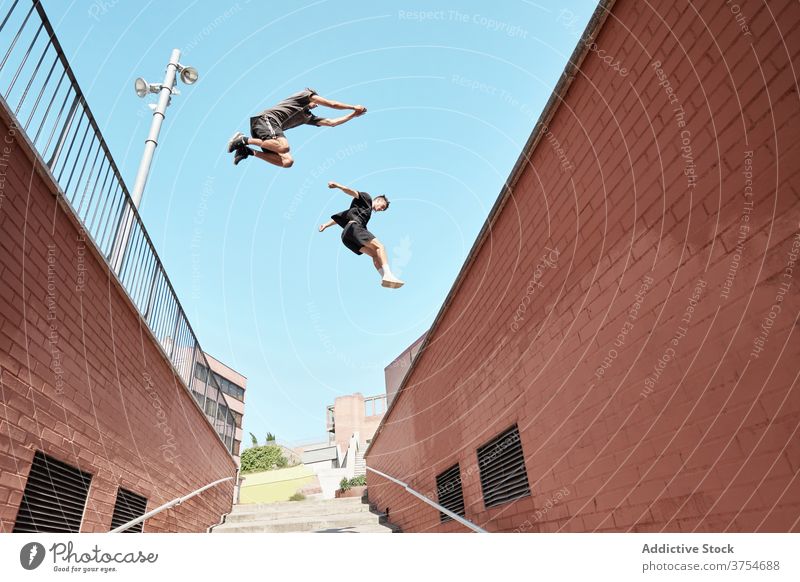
253	440
263	458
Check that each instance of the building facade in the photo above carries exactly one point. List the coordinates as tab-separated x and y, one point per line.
233	386
619	351
354	413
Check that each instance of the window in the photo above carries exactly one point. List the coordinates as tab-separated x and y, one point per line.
128	507
374	406
211	408
229	387
502	468
449	492
222	412
198	396
200	372
54	497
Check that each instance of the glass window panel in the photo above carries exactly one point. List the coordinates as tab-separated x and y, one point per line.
200	372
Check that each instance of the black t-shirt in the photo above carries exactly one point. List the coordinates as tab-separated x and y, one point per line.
293	110
360	211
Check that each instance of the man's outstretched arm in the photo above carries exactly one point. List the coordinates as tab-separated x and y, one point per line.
322	122
345	189
319	100
326	225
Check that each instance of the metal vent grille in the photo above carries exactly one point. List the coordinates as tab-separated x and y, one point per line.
502	468
128	506
54	497
449	492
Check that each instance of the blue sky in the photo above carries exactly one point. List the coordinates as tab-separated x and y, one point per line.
453	90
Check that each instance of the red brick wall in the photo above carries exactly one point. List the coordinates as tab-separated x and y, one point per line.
108	401
711	441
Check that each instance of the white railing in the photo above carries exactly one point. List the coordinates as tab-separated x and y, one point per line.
447	512
172	503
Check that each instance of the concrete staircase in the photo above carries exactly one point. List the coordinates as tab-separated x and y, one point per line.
347	515
360	467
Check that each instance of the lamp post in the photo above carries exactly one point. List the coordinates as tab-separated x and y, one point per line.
165	91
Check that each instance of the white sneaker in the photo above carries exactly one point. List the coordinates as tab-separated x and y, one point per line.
391	282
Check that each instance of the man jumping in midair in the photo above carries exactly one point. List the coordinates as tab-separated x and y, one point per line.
355	235
268	126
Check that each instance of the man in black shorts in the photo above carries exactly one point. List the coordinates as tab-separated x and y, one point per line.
355	235
268	126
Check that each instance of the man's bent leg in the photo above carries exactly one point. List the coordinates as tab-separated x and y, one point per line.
278	145
281	160
377	251
373	253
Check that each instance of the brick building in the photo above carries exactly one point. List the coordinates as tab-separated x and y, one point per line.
354	413
394	372
620	352
97	422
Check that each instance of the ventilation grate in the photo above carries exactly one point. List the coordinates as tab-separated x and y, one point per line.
502	468
128	507
54	497
449	492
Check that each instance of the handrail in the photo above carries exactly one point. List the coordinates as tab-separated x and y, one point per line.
447	512
167	505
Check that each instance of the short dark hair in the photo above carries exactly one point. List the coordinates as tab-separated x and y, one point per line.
384	198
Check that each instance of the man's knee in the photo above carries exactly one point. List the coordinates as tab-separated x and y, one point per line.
287	161
376	244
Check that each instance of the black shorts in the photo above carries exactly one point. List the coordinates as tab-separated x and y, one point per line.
355	236
265	128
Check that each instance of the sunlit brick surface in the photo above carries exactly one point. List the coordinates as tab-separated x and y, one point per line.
653	382
82	379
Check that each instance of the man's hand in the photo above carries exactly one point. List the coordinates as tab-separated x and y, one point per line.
359	110
346	189
322	227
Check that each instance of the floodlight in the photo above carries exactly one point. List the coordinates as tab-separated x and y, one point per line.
142	87
189	75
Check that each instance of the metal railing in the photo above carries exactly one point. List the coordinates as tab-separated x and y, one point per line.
167	505
447	512
38	87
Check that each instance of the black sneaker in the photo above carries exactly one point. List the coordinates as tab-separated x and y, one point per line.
242	153
238	140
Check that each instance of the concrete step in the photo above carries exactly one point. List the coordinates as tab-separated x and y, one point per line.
302	524
249	507
298	510
358	529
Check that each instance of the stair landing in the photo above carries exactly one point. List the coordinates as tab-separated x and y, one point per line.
346	515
